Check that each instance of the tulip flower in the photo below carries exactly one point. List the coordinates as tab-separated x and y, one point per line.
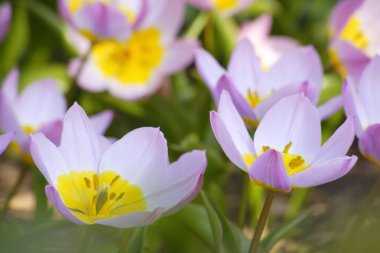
5	19
39	108
361	101
5	139
286	150
130	59
227	7
355	35
254	91
269	49
129	183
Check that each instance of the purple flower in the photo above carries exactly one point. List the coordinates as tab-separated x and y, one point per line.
286	150
128	183
5	19
5	139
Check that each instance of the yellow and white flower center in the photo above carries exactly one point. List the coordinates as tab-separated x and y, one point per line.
294	163
353	33
253	99
92	197
224	5
132	62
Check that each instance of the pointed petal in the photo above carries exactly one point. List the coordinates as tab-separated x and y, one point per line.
342	12
57	202
141	157
333	105
269	170
53	131
293	119
101	121
231	133
323	172
369	143
5	139
79	143
10	85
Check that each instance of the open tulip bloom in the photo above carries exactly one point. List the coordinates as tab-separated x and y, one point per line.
227	7
5	19
5	139
125	184
361	100
355	35
134	44
39	108
286	150
254	91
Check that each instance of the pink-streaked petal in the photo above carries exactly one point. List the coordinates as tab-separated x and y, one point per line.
209	69
137	219
293	119
269	170
141	157
56	200
10	86
180	54
239	100
352	58
353	106
179	182
369	143
369	90
101	121
5	19
230	131
297	66
330	107
79	143
5	139
53	131
40	103
323	172
244	67
103	21
283	92
342	12
47	158
339	143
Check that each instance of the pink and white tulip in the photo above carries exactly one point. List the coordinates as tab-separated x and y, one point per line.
361	100
227	7
133	64
5	19
355	35
129	183
269	49
286	150
254	92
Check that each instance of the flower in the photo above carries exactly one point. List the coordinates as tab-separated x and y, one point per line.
5	19
227	7
361	101
286	150
254	91
5	139
126	184
269	49
134	63
39	108
355	35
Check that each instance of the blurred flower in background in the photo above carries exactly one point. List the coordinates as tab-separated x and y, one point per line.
227	7
5	139
269	49
254	91
355	34
125	184
5	19
361	100
130	60
286	150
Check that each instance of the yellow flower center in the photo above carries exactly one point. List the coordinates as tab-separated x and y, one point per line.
294	163
224	5
132	62
353	33
253	99
92	197
337	64
29	129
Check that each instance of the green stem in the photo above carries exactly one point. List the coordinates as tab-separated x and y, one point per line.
352	231
125	238
261	223
15	189
243	203
197	26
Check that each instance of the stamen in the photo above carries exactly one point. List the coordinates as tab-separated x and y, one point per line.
287	147
120	196
112	196
87	182
265	148
114	180
298	161
102	199
95	178
77	210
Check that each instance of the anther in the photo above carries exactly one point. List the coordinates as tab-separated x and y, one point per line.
87	182
120	196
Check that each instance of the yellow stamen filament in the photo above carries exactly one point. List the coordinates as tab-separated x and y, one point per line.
253	99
